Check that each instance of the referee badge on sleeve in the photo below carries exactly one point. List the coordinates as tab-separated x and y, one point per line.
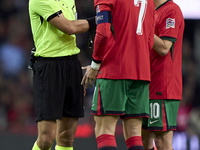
170	23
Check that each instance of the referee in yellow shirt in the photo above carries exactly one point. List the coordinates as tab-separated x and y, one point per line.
58	93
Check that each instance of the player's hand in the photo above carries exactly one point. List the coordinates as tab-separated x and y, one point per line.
89	77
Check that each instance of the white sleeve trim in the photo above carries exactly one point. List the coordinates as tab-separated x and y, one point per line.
95	66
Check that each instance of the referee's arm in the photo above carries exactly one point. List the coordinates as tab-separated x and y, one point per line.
71	27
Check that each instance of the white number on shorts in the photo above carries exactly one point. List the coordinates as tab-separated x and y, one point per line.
155	110
141	14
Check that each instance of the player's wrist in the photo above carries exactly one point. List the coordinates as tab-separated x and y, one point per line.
92	23
95	66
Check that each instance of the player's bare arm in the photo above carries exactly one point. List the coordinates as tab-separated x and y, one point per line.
70	27
161	46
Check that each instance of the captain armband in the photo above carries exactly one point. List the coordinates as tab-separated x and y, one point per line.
104	17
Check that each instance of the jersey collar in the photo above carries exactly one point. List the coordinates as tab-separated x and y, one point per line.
163	4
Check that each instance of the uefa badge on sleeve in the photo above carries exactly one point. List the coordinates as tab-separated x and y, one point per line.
170	23
97	9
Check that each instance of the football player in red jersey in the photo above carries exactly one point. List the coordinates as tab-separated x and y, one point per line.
121	64
165	89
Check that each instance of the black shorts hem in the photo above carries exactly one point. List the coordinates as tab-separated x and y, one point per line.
46	118
55	118
77	116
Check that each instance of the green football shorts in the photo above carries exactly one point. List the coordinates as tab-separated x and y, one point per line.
163	115
126	98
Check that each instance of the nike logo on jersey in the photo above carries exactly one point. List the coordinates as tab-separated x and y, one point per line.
151	122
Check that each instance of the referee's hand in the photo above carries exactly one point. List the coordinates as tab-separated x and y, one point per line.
89	77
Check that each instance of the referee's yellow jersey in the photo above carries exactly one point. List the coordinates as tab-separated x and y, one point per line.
49	41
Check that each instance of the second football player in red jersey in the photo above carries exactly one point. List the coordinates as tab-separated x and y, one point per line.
166	74
124	36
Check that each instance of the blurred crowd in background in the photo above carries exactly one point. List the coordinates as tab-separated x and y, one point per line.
16	93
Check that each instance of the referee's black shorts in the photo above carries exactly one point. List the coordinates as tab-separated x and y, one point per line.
57	88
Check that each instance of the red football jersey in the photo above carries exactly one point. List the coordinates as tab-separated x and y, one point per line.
124	51
166	71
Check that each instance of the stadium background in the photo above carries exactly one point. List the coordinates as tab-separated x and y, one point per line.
18	129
